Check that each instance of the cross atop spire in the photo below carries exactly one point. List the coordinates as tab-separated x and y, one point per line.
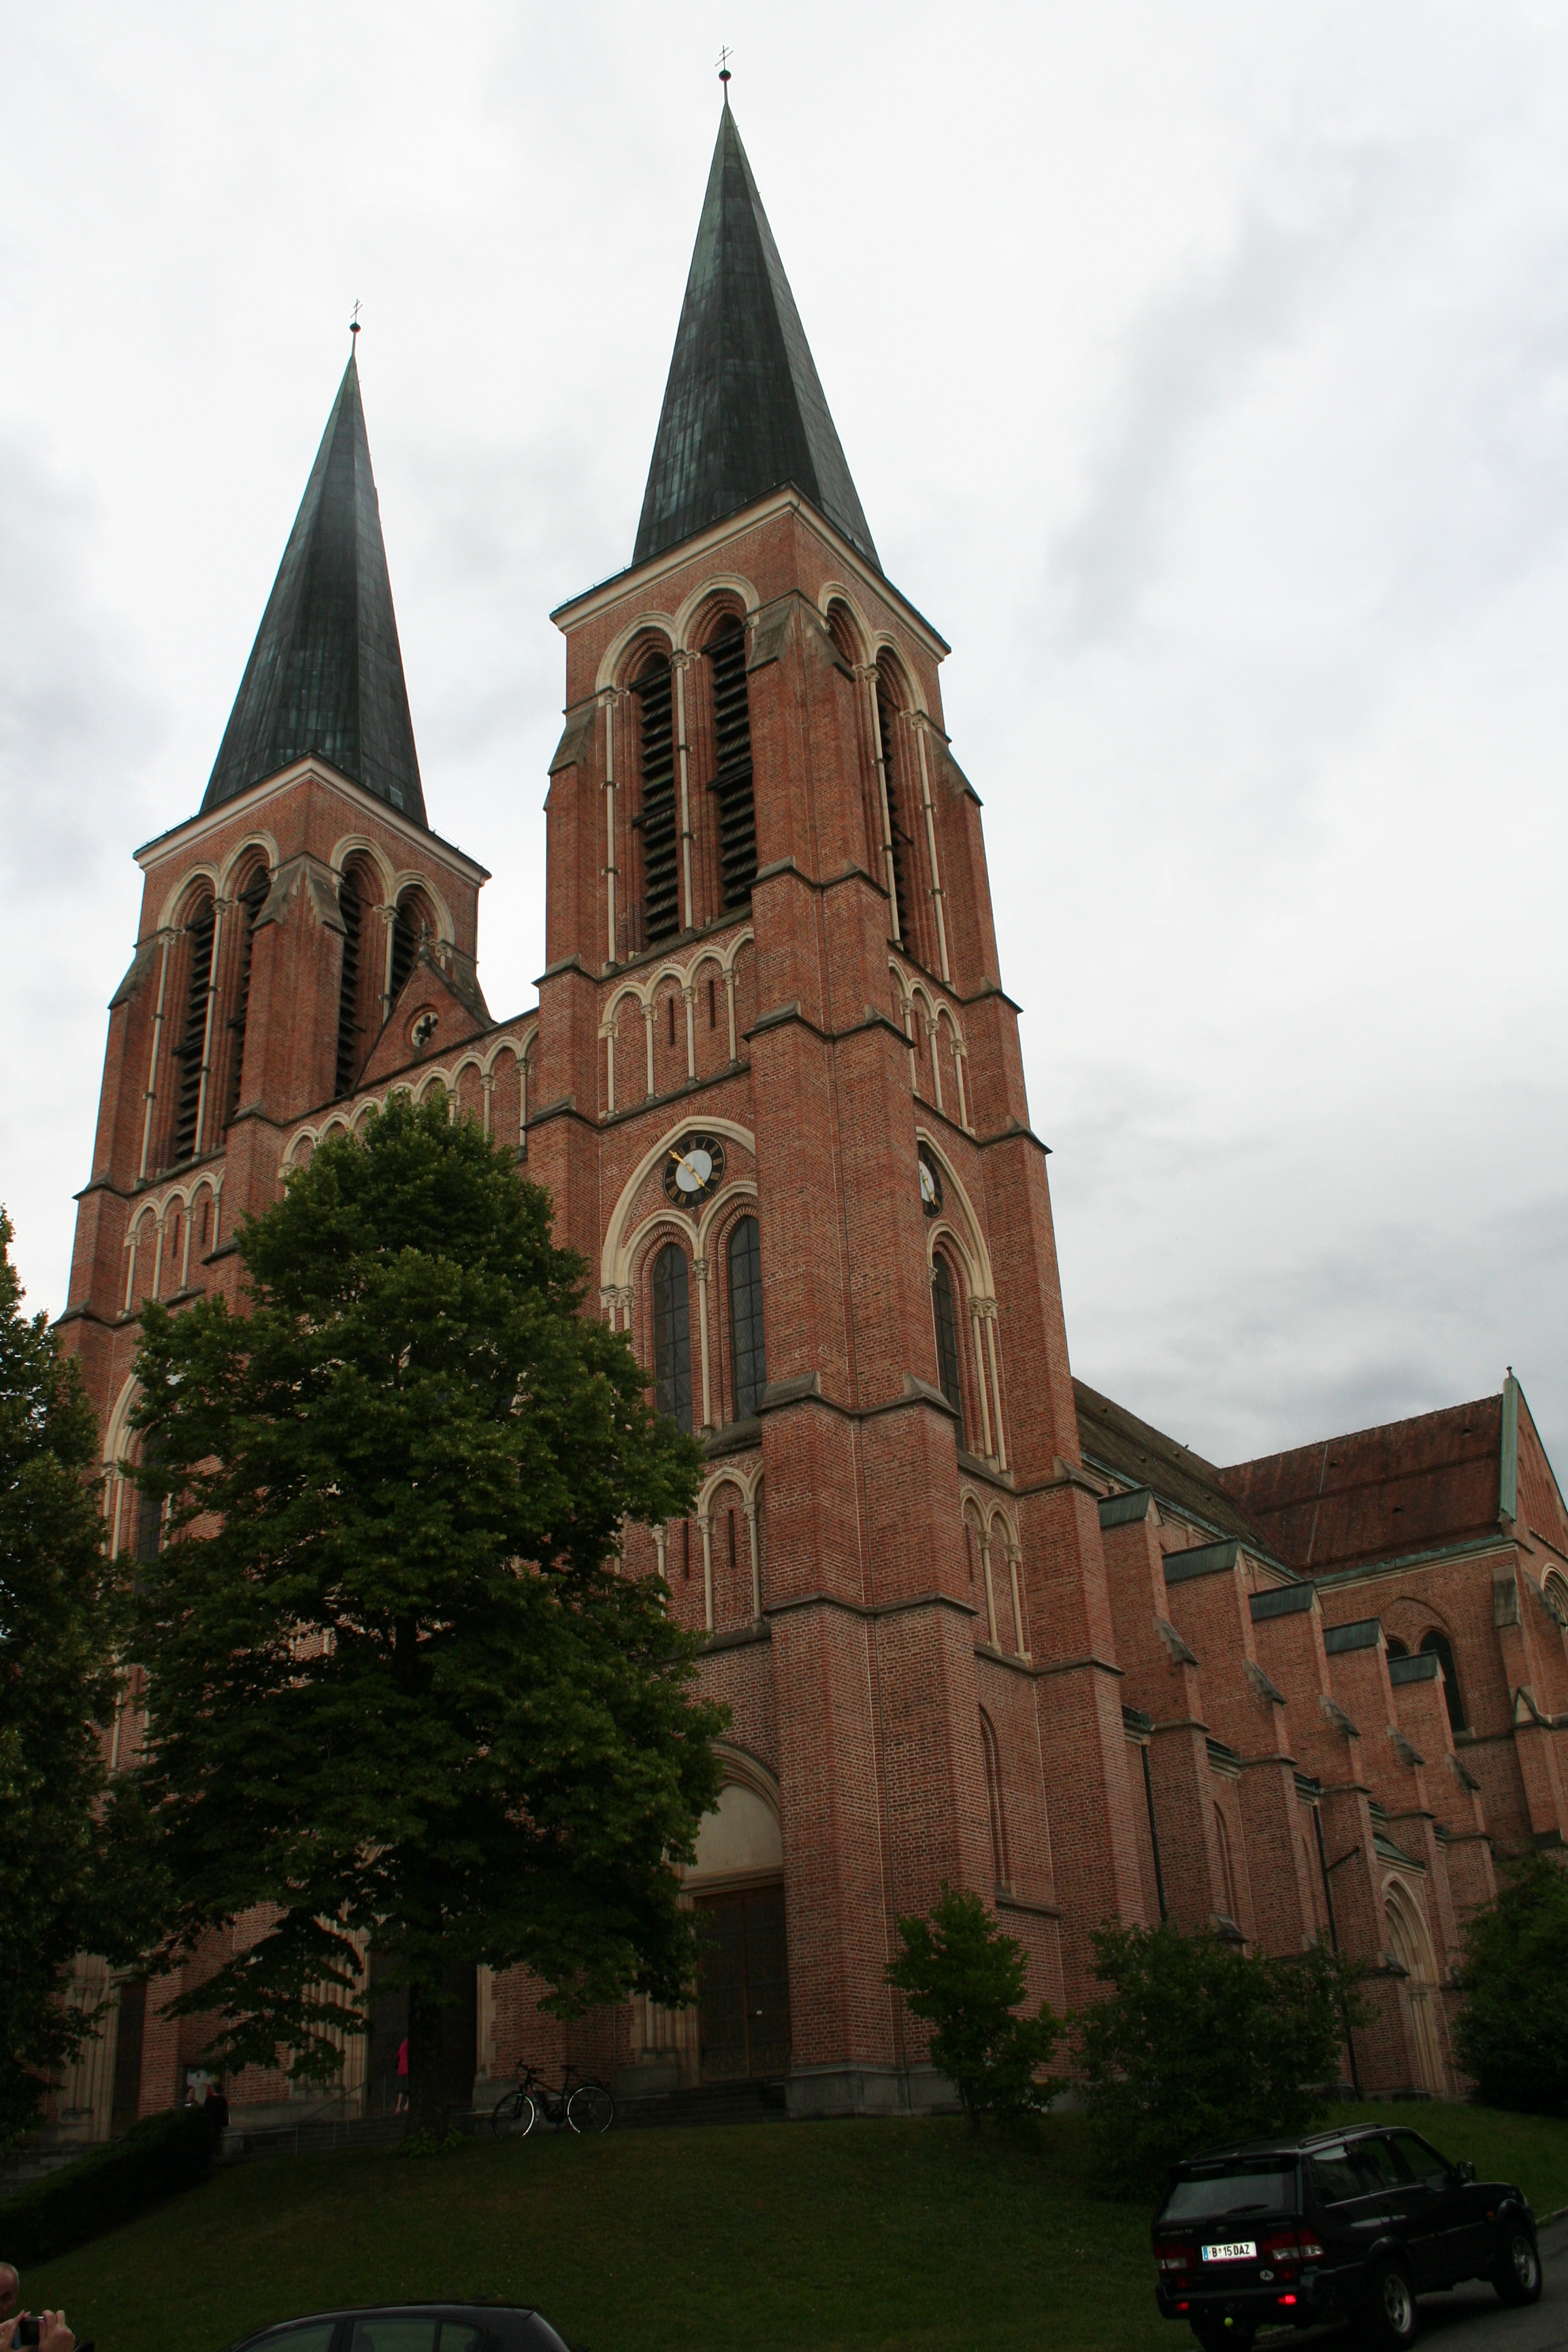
743	409
325	674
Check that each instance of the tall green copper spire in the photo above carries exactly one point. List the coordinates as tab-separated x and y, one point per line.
325	674
744	410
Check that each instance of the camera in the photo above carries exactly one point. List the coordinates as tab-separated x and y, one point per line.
26	2333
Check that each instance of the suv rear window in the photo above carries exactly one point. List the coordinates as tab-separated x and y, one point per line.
1240	2184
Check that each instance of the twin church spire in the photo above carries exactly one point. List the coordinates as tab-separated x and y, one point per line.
743	415
325	674
743	409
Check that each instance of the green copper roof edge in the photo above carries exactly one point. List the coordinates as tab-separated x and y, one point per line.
1507	1472
1254	1546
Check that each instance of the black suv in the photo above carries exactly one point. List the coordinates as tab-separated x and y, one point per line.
1343	2225
412	2327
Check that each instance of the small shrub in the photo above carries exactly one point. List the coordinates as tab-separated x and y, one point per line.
107	2186
963	1976
432	2143
1198	2044
1512	2030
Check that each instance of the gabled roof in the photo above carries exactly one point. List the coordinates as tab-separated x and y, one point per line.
1116	1440
325	674
743	409
1378	1493
428	983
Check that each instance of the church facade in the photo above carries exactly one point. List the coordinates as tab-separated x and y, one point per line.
974	1623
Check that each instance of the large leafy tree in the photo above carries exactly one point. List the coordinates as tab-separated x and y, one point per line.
68	1885
1196	2043
1512	2034
401	1688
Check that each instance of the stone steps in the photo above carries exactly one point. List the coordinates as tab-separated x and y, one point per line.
705	2103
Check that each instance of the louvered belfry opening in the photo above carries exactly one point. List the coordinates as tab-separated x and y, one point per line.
188	1052
248	906
846	645
659	907
360	1007
411	927
353	912
351	909
731	785
888	706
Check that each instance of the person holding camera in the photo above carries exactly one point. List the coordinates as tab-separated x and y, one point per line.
46	2330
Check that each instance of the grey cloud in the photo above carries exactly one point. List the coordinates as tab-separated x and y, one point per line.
1396	1319
1186	358
76	728
77	734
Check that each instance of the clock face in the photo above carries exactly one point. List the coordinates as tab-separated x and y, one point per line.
931	1186
693	1170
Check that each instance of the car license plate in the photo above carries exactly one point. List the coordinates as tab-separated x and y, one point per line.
1237	2250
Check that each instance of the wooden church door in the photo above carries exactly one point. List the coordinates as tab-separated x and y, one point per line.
743	1991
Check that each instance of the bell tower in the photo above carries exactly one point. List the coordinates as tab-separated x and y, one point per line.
783	1112
279	927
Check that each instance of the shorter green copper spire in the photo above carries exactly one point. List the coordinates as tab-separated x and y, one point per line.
325	674
743	409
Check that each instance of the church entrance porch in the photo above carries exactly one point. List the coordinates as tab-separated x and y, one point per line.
743	1987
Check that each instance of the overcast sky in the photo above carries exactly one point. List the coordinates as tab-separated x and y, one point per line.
1204	372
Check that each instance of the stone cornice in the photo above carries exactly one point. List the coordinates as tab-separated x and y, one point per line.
248	804
622	585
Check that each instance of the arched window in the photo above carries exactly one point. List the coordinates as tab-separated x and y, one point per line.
841	629
947	1356
412	925
847	645
1395	1646
252	898
1438	1644
1226	1876
655	819
731	785
671	1335
900	847
191	1050
747	1354
358	990
993	1806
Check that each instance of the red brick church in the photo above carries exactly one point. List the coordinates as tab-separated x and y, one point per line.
974	1620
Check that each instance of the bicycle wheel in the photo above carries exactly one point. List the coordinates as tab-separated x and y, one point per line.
514	2117
590	2108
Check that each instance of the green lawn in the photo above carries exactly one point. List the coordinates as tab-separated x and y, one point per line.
846	2234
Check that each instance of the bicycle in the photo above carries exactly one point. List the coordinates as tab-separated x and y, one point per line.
586	2106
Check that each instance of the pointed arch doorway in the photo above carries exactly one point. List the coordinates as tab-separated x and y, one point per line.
736	1886
1411	1944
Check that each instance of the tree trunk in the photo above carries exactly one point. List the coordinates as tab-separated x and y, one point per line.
427	2111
